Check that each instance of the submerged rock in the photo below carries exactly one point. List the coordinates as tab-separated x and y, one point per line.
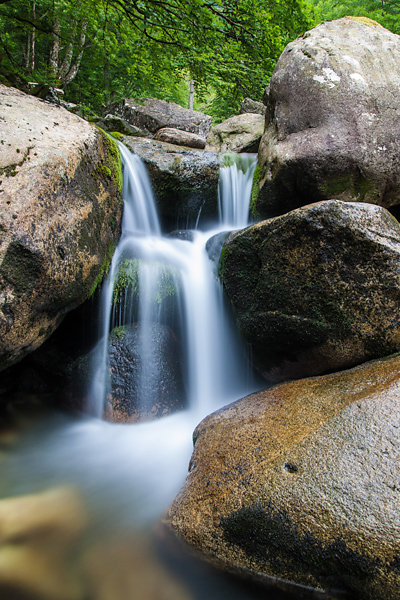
332	124
60	212
317	289
161	376
301	482
185	182
241	133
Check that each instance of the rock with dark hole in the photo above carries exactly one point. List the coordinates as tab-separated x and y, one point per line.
301	482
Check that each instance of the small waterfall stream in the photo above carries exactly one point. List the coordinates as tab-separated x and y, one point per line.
128	474
215	367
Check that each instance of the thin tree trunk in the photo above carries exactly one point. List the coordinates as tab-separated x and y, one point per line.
55	48
33	40
72	73
191	93
66	63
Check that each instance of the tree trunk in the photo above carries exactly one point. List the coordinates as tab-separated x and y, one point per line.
55	49
66	63
191	93
72	73
31	66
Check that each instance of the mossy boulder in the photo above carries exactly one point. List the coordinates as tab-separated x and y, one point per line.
185	182
332	124
61	186
300	482
317	289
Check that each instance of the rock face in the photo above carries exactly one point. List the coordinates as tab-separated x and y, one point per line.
317	289
180	138
301	482
241	133
113	123
185	182
60	213
332	124
252	106
151	114
126	403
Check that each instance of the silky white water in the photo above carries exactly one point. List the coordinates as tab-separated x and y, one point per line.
131	472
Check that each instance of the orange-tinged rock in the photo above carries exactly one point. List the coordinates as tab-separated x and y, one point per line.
302	482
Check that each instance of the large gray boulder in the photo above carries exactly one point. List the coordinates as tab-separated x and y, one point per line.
241	133
249	105
317	289
180	138
332	125
60	212
151	114
301	482
185	182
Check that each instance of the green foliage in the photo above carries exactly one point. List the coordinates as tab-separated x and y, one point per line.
385	12
108	49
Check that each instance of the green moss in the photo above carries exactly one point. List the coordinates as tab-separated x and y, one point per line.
360	188
117	135
110	166
254	193
128	279
103	269
118	333
225	253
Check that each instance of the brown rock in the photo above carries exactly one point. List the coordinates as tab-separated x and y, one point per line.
60	189
301	482
180	138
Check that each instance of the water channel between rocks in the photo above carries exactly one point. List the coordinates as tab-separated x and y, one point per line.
110	483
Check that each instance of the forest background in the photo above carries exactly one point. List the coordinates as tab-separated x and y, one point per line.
206	54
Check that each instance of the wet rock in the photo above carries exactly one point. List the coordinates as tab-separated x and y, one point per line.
185	182
113	123
332	125
180	138
39	537
160	375
241	133
317	289
301	482
151	114
60	185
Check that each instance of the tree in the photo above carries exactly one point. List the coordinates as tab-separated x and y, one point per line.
99	50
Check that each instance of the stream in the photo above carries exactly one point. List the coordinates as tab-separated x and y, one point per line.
124	476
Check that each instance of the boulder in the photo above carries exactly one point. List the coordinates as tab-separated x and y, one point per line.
185	182
317	289
163	394
113	123
301	482
332	124
241	133
40	537
180	138
151	114
60	185
252	106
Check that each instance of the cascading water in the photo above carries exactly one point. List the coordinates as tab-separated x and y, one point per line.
128	474
215	366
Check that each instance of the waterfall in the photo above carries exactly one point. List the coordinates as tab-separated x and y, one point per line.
214	367
234	190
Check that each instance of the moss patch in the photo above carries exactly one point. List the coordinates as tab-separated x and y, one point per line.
364	21
254	193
